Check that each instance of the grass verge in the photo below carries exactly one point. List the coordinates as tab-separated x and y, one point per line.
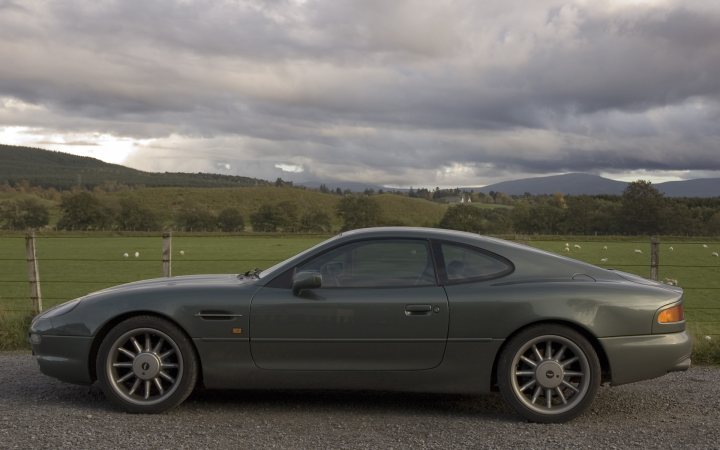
13	330
706	351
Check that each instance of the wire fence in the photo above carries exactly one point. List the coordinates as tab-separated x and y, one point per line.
70	266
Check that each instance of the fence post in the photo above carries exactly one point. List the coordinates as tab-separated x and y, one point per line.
167	254
33	273
654	257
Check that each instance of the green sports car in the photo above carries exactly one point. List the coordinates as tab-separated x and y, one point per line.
412	309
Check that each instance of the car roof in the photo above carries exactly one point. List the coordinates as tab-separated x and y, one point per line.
437	233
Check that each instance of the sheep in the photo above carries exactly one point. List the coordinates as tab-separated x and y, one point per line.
577	246
604	247
705	246
637	250
715	254
604	260
137	254
671	249
182	252
567	249
125	255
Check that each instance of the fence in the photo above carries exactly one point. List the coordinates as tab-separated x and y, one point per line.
49	269
69	266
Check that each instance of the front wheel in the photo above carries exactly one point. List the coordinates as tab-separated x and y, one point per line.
146	364
548	373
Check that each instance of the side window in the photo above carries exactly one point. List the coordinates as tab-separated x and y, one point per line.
463	263
380	263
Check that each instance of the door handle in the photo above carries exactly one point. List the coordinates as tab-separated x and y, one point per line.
418	310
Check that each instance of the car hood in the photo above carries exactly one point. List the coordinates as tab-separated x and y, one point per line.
182	281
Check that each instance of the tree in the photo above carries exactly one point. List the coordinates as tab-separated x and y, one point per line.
463	218
132	216
477	220
582	215
23	214
83	211
287	216
358	212
281	216
195	217
266	218
713	224
315	221
642	207
230	220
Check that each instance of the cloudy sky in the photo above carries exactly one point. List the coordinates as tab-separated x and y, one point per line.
407	93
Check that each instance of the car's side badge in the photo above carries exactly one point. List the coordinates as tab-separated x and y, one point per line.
237	330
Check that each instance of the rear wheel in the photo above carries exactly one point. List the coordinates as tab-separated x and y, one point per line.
146	365
549	373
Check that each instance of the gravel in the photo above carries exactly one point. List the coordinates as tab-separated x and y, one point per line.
679	410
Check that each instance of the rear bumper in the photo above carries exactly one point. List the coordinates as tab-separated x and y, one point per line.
635	358
682	366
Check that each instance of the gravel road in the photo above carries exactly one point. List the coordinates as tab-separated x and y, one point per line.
680	410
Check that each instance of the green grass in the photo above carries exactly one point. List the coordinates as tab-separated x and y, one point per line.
74	265
13	330
706	351
401	210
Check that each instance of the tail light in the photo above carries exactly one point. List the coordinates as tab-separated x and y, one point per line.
671	314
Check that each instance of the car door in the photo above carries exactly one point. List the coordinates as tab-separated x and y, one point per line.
379	308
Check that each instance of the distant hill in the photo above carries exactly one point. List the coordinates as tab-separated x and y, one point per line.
343	185
62	171
569	184
588	184
701	187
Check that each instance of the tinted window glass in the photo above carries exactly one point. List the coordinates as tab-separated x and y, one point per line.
467	263
381	263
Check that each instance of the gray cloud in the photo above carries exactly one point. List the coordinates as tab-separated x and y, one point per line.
402	92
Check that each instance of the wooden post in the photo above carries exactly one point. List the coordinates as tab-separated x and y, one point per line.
654	258
167	255
33	273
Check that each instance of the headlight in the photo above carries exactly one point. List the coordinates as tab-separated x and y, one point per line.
60	309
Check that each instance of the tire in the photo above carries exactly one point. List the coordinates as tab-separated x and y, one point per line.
548	373
146	364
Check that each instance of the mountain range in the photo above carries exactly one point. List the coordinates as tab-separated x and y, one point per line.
61	170
589	184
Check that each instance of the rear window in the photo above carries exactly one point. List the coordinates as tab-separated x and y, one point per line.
464	263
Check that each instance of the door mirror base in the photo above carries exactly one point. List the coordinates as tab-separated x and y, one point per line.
306	280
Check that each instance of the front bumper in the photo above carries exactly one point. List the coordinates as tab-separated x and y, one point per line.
635	358
66	358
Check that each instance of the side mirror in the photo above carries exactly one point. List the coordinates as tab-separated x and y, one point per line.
306	280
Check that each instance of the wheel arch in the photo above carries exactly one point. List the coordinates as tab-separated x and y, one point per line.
110	324
592	339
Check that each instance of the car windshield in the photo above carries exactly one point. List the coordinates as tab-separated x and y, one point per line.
299	256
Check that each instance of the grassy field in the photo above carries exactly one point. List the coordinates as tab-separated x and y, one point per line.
71	266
